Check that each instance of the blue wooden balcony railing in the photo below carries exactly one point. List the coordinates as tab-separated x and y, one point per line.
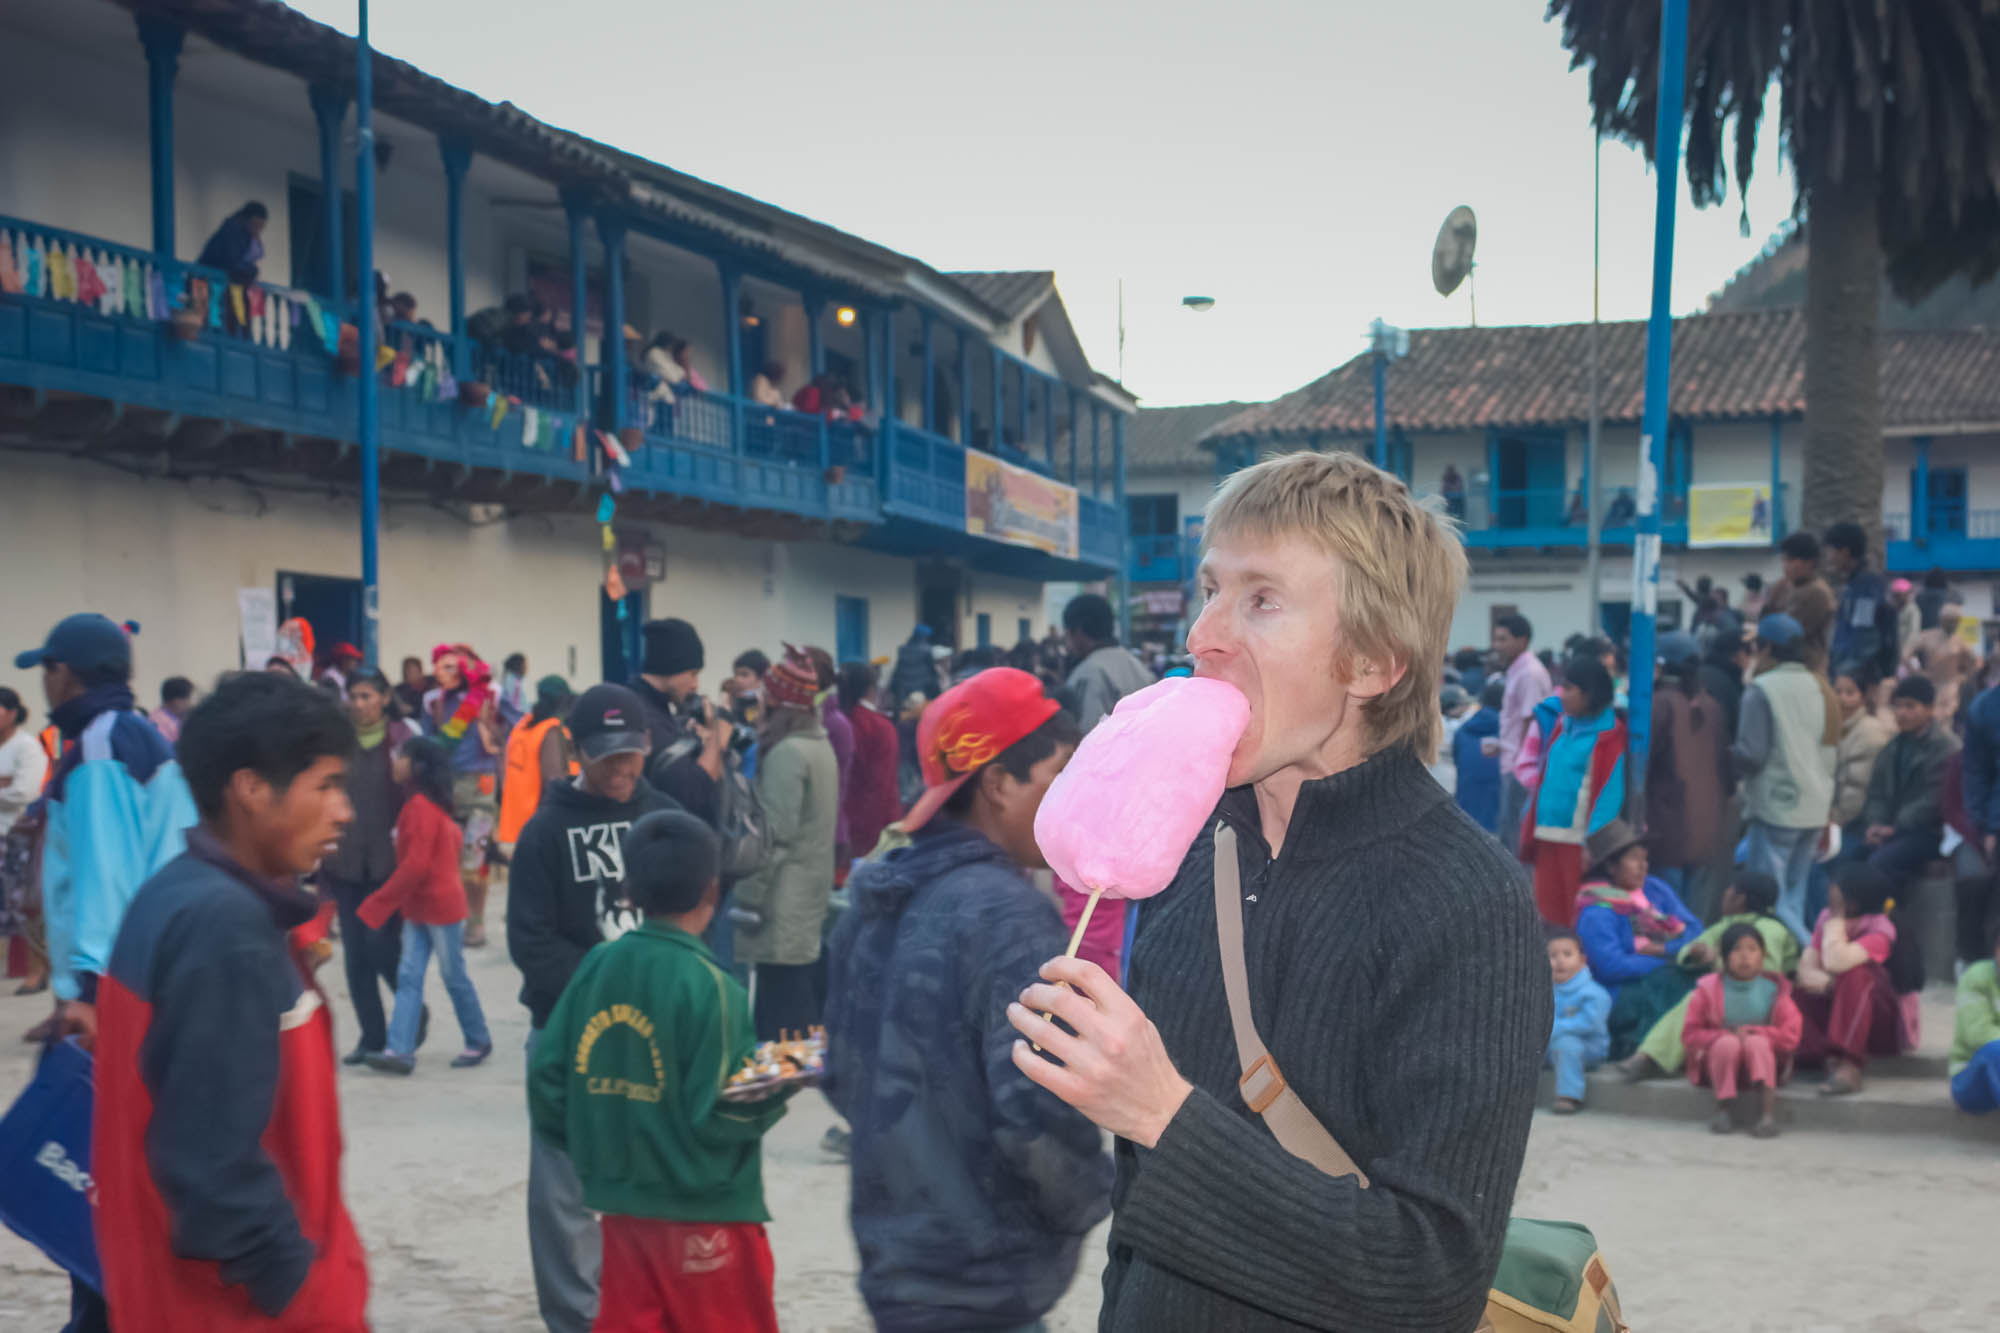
92	318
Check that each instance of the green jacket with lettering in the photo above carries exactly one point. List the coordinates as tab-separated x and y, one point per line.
627	1075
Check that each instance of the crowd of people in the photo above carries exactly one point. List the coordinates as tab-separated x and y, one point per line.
1808	766
850	848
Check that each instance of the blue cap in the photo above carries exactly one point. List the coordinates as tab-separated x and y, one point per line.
1780	630
83	642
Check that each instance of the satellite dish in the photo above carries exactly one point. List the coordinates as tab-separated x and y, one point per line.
1451	257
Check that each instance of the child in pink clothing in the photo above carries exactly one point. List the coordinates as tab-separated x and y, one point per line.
1742	1024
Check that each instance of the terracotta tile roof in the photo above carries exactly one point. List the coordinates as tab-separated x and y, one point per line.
1725	367
1011	294
1168	439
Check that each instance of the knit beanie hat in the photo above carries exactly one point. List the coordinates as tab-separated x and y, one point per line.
672	647
791	682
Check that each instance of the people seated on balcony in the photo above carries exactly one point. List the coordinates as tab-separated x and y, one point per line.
403	310
658	361
1452	487
1622	510
764	390
238	244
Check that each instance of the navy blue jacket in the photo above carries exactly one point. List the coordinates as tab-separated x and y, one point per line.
1478	774
973	1188
1982	760
1864	626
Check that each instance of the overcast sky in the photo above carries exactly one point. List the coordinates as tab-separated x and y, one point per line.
1292	159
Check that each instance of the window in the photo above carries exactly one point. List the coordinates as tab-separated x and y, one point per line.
1944	510
304	200
1154	515
985	630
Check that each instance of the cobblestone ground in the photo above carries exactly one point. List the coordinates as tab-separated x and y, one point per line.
1814	1233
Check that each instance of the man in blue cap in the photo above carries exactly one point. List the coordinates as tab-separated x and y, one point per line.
117	809
1785	738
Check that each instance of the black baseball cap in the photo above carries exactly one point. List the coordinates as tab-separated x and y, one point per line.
83	642
608	720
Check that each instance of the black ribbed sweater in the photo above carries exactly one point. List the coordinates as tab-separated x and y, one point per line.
1398	976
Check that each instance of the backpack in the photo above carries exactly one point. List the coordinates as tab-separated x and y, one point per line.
739	811
1552	1280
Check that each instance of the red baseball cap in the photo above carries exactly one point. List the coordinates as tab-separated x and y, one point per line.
967	727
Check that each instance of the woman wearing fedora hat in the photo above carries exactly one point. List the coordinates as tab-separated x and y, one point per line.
1632	925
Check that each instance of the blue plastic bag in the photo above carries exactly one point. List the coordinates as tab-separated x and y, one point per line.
46	1193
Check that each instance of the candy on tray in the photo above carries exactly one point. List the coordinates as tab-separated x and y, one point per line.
796	1057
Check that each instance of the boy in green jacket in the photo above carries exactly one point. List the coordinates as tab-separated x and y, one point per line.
627	1079
1975	1038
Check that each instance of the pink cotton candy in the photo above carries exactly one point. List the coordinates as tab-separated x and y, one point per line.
1123	813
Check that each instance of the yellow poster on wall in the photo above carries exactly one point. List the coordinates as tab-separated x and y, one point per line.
1010	504
1730	515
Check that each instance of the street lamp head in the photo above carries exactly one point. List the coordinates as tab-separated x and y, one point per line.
1198	304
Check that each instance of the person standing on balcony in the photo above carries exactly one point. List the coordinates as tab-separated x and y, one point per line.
1804	596
1864	627
1527	685
1105	672
1786	738
1452	487
237	246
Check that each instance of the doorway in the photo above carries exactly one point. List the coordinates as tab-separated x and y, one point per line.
850	629
332	606
1533	471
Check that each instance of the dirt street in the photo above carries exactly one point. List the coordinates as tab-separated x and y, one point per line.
1813	1233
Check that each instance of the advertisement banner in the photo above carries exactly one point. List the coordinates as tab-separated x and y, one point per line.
1011	504
1733	515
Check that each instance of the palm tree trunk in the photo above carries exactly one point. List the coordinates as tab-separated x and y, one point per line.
1843	472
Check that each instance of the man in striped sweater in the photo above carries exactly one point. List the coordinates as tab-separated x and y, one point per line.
1396	971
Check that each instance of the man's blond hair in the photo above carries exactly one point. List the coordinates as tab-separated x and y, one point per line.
1399	565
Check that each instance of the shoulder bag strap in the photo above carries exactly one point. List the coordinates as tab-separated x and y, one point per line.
1262	1086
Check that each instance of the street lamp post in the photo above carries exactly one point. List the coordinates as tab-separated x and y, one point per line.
1387	343
368	427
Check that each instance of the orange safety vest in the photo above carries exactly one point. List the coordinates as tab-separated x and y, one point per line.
521	794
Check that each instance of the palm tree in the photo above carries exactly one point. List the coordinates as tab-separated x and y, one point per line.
1888	113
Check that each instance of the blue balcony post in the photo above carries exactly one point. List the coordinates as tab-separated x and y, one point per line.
1492	479
611	346
1589	489
732	334
930	383
1381	360
889	413
999	405
1123	529
815	336
1021	405
1777	479
575	212
162	41
457	155
1049	422
1075	429
370	425
1096	475
329	107
1920	493
964	387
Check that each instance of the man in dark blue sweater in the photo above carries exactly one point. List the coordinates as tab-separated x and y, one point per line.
1395	966
973	1188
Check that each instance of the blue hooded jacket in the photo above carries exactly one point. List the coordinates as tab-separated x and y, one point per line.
1478	773
972	1187
118	811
